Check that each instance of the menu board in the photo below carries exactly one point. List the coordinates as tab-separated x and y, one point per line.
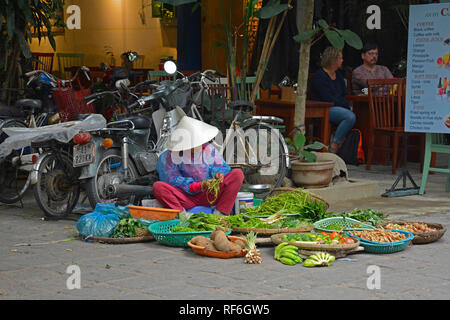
428	73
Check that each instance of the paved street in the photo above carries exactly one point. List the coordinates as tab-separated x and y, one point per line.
35	255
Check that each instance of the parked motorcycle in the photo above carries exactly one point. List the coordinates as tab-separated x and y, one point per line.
36	110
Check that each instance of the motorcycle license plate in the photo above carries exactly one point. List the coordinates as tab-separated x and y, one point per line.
83	154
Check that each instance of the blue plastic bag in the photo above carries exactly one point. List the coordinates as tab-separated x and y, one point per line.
102	221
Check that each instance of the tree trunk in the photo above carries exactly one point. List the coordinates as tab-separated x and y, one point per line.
305	15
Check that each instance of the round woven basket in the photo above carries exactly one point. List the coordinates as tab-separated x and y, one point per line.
424	237
312	196
330	248
270	232
118	240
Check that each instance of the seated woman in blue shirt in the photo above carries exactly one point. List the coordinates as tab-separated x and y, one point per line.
328	85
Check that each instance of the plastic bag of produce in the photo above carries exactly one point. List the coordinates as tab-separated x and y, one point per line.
102	221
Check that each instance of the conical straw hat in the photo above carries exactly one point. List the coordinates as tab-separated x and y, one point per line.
190	133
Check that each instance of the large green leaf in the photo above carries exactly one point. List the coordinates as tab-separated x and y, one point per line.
335	39
352	39
271	9
310	157
299	141
303	37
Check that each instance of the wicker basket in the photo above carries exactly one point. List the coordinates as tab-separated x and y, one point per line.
118	240
330	248
424	237
386	248
162	233
270	232
312	196
219	254
347	223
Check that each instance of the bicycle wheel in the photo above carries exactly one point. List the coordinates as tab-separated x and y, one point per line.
14	177
259	150
58	189
109	171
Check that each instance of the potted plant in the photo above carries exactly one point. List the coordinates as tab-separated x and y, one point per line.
307	172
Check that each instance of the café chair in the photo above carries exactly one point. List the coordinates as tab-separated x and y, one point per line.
43	61
160	75
66	60
434	142
249	84
387	116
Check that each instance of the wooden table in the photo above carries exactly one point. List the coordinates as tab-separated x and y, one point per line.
286	110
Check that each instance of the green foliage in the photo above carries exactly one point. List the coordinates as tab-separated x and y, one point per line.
231	32
20	20
196	222
127	228
338	38
299	148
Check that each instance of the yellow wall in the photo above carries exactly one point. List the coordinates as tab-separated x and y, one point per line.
114	23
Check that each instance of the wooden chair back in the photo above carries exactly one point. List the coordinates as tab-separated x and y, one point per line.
387	103
43	61
159	76
139	63
66	60
249	84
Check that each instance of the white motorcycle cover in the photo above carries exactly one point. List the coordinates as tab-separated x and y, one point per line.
19	138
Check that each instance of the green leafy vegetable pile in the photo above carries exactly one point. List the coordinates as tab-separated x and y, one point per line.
294	202
198	222
368	216
241	221
127	228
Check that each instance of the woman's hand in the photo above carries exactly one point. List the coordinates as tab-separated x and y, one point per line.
219	176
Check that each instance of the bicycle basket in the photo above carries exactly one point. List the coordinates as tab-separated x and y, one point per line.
70	102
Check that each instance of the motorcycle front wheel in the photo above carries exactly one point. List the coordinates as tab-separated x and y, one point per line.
109	171
57	190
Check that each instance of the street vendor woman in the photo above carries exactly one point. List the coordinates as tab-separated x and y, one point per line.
189	164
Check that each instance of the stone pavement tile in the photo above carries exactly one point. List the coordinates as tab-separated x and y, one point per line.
174	290
103	273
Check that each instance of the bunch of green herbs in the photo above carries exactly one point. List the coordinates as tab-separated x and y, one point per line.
197	222
127	228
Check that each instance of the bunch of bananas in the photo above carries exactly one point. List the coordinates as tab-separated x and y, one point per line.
322	259
287	254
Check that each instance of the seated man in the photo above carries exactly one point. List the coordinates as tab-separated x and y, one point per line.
369	69
189	161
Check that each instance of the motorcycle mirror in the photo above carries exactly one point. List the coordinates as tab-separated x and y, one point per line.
170	67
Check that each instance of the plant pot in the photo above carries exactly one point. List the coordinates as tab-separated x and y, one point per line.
312	174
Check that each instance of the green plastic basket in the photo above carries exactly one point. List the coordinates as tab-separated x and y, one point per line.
385	248
162	233
348	224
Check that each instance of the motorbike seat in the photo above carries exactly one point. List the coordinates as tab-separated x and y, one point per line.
29	104
140	122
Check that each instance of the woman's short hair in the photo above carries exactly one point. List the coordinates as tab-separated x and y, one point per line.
329	56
